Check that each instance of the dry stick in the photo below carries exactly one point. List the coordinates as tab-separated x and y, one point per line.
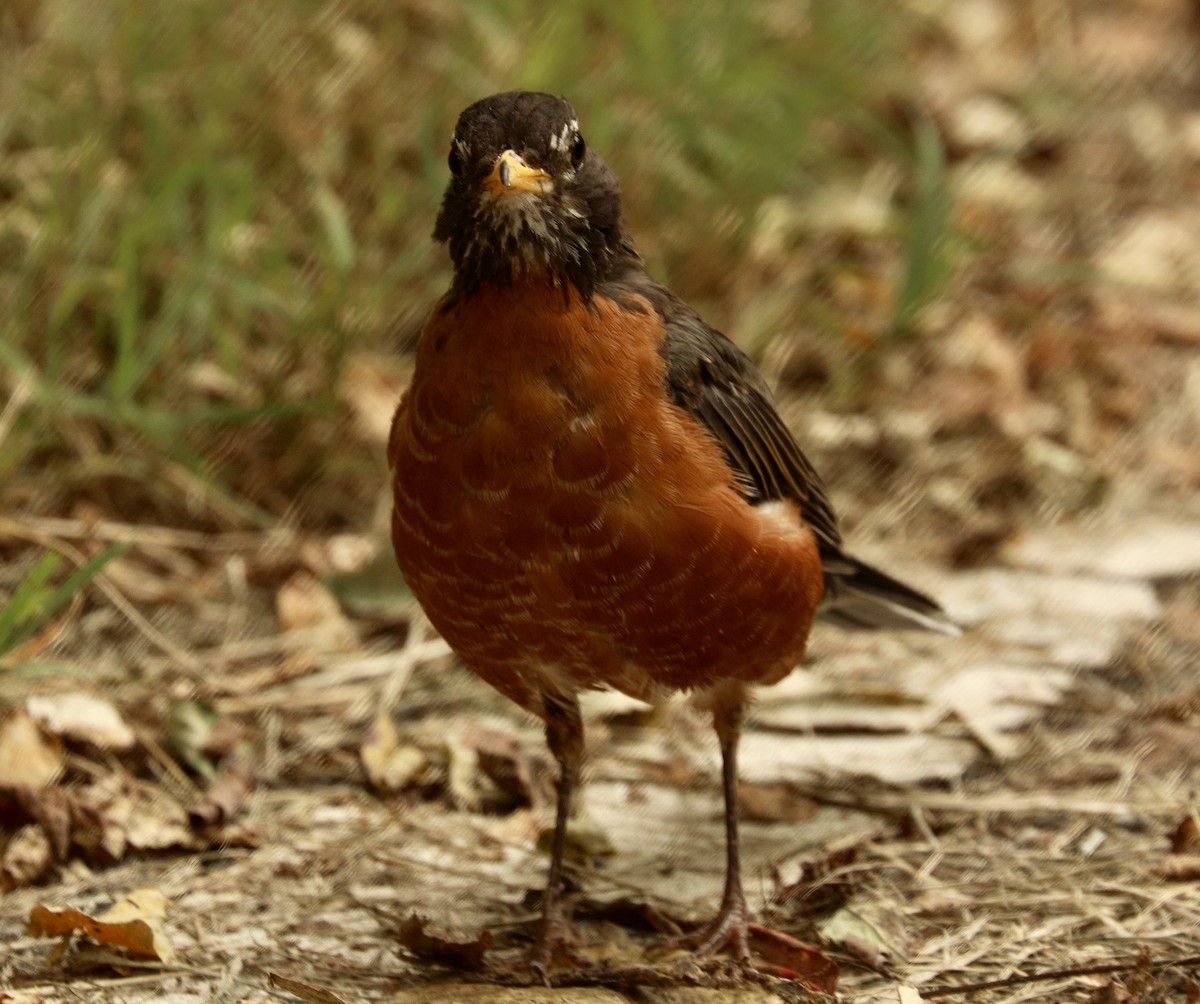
132	533
945	990
16	401
902	803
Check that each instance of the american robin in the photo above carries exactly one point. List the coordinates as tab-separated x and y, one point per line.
592	487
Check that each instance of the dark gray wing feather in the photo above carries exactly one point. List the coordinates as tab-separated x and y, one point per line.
715	382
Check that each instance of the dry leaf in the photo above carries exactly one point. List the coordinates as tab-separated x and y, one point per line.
794	959
305	991
1186	838
225	796
390	765
1150	548
822	887
70	823
113	797
26	858
1179	868
774	803
1156	250
625	912
586	840
467	955
190	726
28	758
992	699
509	767
304	604
82	717
491	770
371	385
136	925
136	814
861	937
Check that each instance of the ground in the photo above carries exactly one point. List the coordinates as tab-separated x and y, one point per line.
979	309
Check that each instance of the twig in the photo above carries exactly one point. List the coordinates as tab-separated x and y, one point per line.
16	401
945	990
133	533
904	802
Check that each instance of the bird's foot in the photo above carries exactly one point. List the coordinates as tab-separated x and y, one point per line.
728	929
554	948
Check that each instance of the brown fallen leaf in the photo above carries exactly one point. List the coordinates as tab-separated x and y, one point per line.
305	991
70	823
83	718
774	803
794	959
28	757
586	840
26	858
822	888
636	914
1186	837
225	737
509	766
148	820
225	796
371	385
390	765
303	603
874	937
1179	868
416	939
135	926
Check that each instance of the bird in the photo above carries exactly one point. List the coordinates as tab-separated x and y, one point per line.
592	487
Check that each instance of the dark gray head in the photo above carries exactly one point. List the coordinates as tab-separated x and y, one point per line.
527	196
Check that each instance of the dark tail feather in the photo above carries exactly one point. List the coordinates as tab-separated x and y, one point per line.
859	597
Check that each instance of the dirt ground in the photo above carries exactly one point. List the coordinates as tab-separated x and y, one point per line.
259	727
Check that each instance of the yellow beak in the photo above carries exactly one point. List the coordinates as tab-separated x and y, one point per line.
512	174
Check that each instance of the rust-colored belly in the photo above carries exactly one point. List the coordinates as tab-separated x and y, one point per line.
565	526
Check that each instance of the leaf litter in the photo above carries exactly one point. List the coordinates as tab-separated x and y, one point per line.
1019	804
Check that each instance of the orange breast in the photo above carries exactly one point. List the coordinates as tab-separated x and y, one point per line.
565	525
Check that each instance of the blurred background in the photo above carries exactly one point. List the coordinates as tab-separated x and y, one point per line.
961	240
214	221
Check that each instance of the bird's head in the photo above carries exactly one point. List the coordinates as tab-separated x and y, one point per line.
527	198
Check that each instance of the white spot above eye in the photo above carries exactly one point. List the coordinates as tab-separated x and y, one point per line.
562	142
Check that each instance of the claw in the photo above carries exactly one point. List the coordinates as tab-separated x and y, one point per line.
728	929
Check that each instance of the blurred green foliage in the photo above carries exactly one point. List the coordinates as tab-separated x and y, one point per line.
35	601
206	207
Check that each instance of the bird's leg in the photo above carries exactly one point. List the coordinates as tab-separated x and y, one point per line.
729	926
564	736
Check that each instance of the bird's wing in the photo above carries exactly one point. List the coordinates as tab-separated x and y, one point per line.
714	381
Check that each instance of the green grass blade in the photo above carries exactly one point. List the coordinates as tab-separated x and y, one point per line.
32	605
25	600
924	269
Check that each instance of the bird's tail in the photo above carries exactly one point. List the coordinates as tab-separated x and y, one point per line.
861	598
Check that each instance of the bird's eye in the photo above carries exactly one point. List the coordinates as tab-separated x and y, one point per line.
578	150
455	161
